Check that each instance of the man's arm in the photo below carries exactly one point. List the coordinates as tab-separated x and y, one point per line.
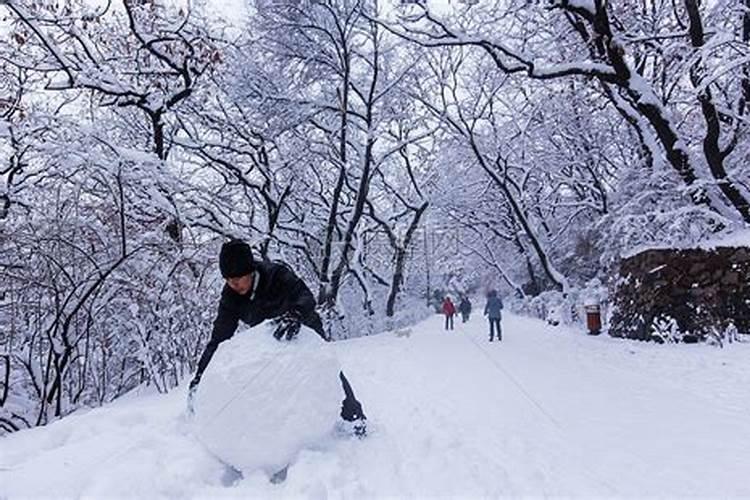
225	325
310	316
302	302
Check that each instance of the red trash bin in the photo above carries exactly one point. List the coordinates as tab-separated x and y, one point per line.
593	319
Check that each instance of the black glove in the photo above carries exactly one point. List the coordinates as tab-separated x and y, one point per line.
288	325
194	383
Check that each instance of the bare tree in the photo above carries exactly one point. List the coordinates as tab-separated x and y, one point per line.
619	50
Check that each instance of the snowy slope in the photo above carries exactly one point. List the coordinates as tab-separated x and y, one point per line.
546	412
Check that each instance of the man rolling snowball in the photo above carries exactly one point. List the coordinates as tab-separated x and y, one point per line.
259	291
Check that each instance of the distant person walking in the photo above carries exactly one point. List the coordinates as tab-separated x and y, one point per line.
493	311
464	308
449	310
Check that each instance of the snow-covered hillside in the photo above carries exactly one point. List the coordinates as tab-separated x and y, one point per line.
546	412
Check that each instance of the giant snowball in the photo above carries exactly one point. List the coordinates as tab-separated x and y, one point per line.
261	401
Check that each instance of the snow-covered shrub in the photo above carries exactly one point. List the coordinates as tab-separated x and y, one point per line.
562	308
664	329
349	319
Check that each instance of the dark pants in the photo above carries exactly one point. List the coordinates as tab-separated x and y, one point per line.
465	316
449	321
495	324
351	409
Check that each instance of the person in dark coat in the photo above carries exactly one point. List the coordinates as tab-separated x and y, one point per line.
259	291
464	308
449	310
493	311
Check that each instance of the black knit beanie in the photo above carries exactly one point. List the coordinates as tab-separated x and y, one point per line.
235	259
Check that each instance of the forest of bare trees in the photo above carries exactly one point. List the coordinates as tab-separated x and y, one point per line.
384	149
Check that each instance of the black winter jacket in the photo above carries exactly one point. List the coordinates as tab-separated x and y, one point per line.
276	290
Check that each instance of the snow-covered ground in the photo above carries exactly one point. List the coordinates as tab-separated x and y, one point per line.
546	412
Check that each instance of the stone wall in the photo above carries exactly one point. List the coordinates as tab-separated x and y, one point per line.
682	295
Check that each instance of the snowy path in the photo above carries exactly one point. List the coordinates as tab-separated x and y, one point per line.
546	412
553	413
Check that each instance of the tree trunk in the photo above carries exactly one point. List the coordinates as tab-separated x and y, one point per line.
401	253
